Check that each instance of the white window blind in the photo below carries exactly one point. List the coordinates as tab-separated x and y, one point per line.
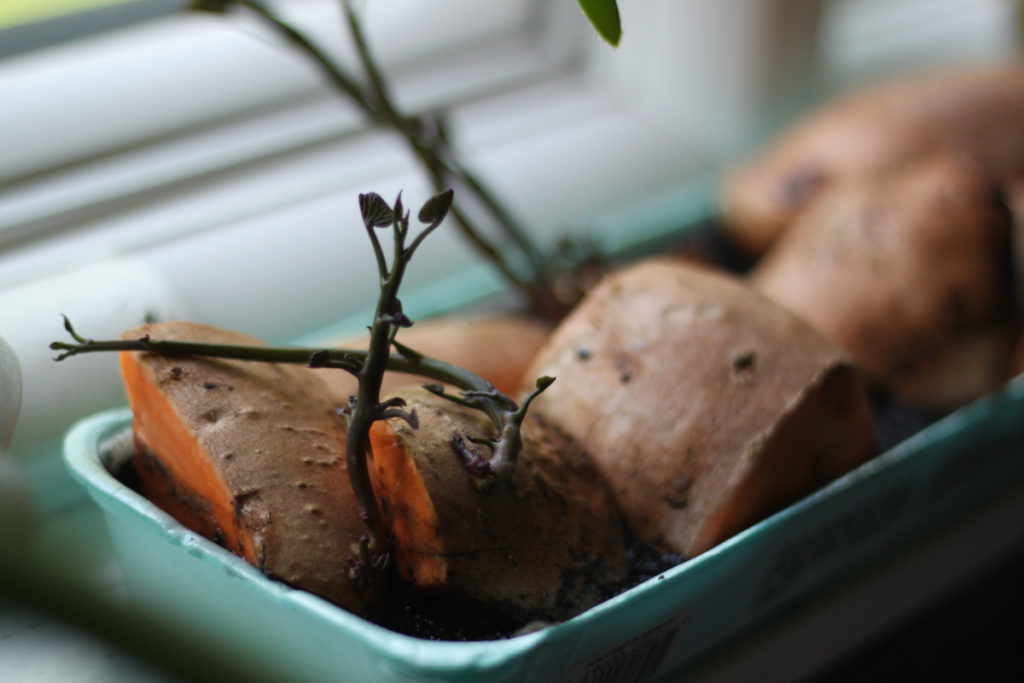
864	39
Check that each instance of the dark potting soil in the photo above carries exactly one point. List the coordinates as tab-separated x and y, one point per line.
439	617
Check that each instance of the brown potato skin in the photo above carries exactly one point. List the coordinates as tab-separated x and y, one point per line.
497	347
705	406
971	111
910	272
1014	189
275	452
546	544
1015	198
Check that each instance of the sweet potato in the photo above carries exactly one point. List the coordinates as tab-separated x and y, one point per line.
1015	197
497	347
545	544
1017	359
704	405
910	273
1014	189
976	112
251	455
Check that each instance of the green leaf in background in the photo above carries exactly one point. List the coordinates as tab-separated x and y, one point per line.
604	15
14	12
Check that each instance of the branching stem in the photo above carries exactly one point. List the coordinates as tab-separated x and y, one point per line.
334	358
442	168
369	366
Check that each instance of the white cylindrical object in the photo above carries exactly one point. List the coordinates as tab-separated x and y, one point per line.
102	300
721	71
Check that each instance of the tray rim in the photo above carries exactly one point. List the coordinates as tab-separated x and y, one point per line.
84	461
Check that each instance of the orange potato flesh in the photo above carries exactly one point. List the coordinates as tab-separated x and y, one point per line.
417	549
156	422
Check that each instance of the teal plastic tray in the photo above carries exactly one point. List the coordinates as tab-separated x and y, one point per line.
652	631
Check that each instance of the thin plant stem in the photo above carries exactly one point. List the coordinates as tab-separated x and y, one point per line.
434	158
369	366
439	167
415	364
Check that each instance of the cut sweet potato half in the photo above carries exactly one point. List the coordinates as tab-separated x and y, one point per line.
910	272
546	544
974	111
705	406
251	455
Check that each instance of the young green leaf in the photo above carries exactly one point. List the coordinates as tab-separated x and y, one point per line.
436	208
604	16
376	212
